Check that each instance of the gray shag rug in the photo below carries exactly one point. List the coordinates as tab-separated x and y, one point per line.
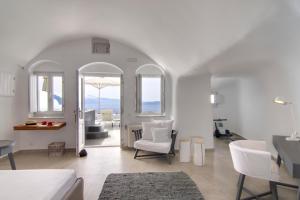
150	186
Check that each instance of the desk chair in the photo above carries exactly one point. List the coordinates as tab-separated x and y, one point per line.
250	158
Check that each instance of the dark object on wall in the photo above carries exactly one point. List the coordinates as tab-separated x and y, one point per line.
100	46
83	153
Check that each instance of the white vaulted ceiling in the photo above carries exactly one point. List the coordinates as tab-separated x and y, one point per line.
181	35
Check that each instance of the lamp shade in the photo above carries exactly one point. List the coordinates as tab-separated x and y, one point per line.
281	101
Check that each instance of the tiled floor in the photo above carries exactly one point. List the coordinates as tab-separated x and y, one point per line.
113	138
216	180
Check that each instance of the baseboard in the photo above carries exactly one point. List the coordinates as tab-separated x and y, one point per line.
5	156
41	150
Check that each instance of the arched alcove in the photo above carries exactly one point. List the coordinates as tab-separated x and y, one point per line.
150	92
100	67
75	56
101	100
45	66
150	69
46	89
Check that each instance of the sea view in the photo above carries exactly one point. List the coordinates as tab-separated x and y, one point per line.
114	104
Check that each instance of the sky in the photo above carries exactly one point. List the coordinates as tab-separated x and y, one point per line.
150	85
151	89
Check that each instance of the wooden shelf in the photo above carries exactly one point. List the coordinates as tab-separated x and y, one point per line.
39	126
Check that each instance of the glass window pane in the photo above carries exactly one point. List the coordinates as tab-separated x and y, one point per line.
151	94
42	93
57	93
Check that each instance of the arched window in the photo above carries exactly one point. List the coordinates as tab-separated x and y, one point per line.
150	90
46	88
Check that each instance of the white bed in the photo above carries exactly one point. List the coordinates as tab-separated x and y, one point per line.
49	184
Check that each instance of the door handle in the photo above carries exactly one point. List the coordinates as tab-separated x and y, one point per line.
75	116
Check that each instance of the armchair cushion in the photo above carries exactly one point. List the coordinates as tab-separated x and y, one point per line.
147	129
161	135
149	145
165	124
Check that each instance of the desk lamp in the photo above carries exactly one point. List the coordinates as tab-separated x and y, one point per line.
293	136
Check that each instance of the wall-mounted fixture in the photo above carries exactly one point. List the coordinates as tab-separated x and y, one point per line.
216	98
281	101
213	99
100	46
7	84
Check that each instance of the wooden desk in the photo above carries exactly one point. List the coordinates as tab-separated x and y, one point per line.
289	153
39	126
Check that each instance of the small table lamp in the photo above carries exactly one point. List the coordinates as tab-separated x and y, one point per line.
293	136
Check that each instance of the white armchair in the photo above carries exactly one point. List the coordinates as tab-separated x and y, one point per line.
165	149
250	158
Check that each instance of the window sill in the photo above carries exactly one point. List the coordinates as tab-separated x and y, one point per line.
46	117
150	115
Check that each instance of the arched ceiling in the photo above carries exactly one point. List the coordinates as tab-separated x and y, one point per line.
180	35
275	42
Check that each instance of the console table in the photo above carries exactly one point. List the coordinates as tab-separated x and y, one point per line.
6	148
288	152
39	126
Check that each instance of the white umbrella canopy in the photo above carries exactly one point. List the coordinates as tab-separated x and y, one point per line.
101	82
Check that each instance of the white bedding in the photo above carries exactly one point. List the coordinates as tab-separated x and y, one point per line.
49	184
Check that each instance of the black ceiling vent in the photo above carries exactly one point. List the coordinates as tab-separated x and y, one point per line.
100	46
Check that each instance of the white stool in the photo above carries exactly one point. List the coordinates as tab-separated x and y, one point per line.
185	150
198	152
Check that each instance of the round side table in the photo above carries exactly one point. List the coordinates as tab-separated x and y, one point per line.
185	150
198	152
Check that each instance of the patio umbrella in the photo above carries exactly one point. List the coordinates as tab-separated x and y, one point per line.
101	82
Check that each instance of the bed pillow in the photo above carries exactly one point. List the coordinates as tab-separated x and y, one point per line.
161	135
165	124
147	129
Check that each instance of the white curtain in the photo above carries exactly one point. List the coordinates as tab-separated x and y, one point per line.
33	93
138	93
7	84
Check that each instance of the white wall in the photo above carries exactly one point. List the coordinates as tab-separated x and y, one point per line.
260	117
7	117
227	89
257	117
266	62
7	108
193	109
71	56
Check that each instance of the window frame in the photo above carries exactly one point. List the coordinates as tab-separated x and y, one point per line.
139	93
50	112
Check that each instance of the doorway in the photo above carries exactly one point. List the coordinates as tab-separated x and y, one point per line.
99	105
102	109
